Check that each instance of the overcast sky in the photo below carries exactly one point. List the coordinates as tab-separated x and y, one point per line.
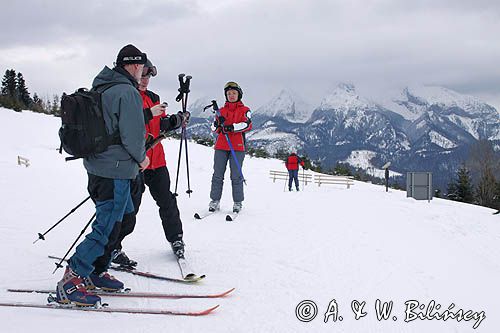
308	46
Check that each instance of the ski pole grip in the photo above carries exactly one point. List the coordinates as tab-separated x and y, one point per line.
181	84
187	83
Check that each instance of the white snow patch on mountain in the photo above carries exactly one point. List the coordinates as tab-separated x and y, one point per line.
361	159
276	140
441	141
468	124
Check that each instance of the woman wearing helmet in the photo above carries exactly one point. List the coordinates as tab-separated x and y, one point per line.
235	121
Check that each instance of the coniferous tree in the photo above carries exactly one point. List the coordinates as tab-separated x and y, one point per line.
342	169
308	164
9	83
281	154
22	91
37	104
48	106
461	188
8	97
56	109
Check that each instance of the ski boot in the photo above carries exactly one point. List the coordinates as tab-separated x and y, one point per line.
237	206
178	248
120	258
213	205
71	290
103	281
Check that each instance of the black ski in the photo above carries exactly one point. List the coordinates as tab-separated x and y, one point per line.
232	217
203	215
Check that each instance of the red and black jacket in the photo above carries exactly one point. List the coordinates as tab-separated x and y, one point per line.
156	154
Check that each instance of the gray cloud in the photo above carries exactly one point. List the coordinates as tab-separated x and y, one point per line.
40	22
308	46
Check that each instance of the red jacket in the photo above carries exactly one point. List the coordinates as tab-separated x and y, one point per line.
293	161
238	115
156	154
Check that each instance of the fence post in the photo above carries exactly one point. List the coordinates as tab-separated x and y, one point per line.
23	161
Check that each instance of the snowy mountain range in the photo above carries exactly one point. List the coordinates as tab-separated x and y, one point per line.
419	128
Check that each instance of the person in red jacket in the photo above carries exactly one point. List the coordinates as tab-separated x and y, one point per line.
292	164
235	121
156	176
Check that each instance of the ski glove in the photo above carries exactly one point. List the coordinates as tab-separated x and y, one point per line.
228	128
220	121
170	123
219	124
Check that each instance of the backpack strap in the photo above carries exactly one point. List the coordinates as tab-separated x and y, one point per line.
115	140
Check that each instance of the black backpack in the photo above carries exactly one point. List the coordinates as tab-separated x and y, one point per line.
83	131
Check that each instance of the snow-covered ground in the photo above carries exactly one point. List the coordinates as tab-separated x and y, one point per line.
320	244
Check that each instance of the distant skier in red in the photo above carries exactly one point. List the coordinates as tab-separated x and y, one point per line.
292	164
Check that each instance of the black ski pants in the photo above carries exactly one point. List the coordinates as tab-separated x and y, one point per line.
158	181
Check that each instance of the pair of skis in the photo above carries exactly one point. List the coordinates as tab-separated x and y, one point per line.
188	278
229	217
52	303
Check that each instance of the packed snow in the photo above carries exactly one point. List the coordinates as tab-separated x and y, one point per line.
330	245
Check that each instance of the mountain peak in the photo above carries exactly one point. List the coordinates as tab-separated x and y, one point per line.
415	100
343	98
349	87
287	105
196	107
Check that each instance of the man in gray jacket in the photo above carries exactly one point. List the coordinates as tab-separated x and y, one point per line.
110	176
